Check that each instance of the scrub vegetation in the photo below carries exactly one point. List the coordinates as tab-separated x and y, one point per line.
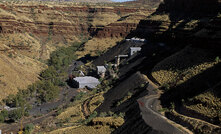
47	89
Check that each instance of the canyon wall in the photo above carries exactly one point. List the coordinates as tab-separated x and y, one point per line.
42	20
124	26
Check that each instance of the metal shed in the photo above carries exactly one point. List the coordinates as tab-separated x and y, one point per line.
87	81
101	70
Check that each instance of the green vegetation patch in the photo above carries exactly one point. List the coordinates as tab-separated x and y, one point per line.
45	90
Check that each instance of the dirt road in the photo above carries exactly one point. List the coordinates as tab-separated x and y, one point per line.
148	106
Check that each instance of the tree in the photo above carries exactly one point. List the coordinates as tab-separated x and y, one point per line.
16	114
3	115
49	73
47	91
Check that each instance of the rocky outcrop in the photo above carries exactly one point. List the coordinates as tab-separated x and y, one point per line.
11	23
121	28
117	30
43	20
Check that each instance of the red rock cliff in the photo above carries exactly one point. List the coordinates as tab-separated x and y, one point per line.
44	20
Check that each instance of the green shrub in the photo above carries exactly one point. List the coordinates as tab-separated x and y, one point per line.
172	105
129	94
16	114
2	118
217	59
10	100
115	115
142	85
110	113
93	115
3	115
166	86
79	96
10	55
122	115
63	56
28	129
163	110
47	91
49	73
103	114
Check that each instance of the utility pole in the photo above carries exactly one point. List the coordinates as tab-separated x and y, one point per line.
21	127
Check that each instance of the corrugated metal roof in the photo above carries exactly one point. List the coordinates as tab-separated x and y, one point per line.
135	48
86	79
101	69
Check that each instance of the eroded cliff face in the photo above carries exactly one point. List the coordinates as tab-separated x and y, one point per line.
42	19
124	26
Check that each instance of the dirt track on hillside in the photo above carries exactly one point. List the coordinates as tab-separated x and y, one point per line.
148	106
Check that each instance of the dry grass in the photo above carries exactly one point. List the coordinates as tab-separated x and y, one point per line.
24	69
103	19
4	13
24	40
95	102
181	67
96	46
134	17
111	121
94	129
164	17
73	113
19	67
209	104
189	62
84	130
166	21
17	72
196	125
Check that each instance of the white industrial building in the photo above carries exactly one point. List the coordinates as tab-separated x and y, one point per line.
87	81
136	40
101	70
134	50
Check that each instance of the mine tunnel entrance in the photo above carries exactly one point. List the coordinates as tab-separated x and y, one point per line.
51	25
1	29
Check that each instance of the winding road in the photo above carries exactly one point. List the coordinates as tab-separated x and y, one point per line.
148	106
